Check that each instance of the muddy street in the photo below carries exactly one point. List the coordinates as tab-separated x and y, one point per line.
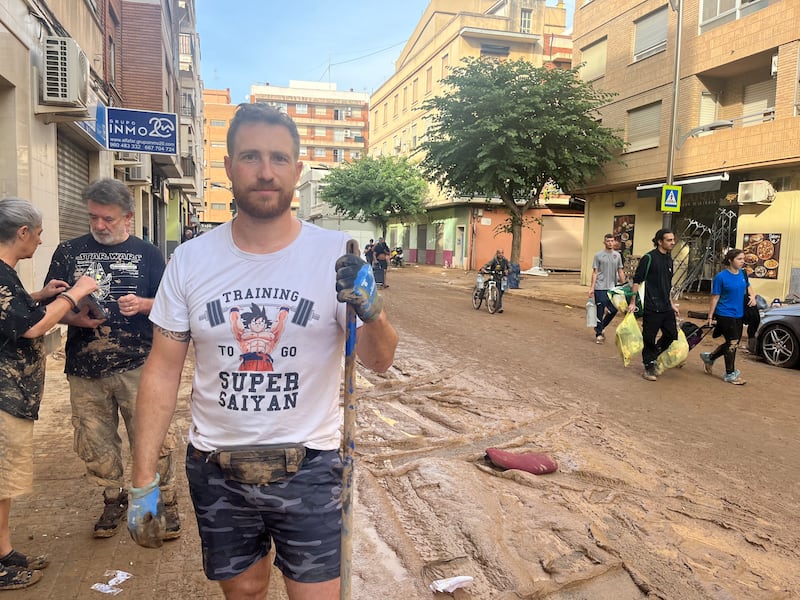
684	488
681	489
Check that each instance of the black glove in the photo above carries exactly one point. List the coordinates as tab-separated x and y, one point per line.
355	285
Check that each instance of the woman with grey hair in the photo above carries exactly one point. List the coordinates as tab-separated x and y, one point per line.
23	322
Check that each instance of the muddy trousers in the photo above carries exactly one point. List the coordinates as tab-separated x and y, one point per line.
97	405
731	329
652	323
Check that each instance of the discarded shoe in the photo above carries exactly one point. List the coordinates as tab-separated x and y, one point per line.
708	362
23	561
15	578
173	520
114	512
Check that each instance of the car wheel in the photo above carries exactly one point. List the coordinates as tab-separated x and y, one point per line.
780	347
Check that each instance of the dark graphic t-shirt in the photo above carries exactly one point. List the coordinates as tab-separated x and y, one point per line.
121	343
21	359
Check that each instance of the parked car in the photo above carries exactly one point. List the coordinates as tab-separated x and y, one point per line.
778	336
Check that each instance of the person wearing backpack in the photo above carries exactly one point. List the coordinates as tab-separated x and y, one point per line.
654	273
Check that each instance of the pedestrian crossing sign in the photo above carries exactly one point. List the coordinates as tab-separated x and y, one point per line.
671	198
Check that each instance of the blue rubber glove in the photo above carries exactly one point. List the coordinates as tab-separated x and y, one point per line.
355	285
146	521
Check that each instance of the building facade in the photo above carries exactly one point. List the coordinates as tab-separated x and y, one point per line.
64	63
728	137
217	198
454	231
333	125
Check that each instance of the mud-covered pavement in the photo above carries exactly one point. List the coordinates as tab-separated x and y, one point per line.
683	489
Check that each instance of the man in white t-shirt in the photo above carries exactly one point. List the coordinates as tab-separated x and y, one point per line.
258	299
607	271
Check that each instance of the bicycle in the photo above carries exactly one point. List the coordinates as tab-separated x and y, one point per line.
486	289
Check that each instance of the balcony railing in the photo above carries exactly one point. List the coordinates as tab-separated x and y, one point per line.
187	166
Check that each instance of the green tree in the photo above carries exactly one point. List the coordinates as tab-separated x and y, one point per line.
376	189
510	129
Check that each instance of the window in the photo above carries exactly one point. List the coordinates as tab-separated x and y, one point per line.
218	123
414	87
644	124
217	164
112	60
759	103
338	135
594	56
320	132
708	110
218	145
375	118
525	20
320	111
280	106
413	136
396	104
385	112
301	109
302	130
319	152
354	112
338	155
717	12
219	206
445	65
303	150
651	34
355	154
428	80
405	98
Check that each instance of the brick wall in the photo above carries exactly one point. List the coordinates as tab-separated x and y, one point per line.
142	57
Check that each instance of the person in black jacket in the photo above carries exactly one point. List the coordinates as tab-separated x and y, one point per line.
498	267
660	312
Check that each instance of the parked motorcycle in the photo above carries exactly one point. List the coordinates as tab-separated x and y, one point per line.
397	257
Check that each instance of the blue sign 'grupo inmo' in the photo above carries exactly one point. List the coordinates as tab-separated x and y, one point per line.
142	131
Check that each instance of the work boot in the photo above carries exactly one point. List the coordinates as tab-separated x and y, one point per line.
173	520
113	514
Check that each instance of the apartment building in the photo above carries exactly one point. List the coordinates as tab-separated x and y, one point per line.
457	232
217	198
333	125
65	65
733	127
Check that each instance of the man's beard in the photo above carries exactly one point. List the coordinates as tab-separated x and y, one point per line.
260	209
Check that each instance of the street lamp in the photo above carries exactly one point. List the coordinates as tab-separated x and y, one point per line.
713	126
677	6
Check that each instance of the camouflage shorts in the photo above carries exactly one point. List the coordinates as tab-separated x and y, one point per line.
238	521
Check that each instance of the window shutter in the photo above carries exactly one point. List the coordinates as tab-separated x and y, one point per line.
595	58
651	34
644	127
708	110
758	98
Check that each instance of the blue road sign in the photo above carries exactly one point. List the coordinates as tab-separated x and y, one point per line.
142	131
671	198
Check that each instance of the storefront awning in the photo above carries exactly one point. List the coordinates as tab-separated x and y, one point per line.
694	185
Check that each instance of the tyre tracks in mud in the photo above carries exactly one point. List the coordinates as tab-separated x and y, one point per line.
618	520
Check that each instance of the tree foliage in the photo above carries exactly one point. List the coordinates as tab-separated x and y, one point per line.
509	129
376	189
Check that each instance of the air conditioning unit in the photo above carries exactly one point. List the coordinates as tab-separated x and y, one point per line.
348	133
127	157
140	172
65	73
755	192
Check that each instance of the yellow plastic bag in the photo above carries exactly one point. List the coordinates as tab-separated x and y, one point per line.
629	338
675	355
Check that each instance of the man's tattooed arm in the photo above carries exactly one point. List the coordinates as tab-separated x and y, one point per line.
178	336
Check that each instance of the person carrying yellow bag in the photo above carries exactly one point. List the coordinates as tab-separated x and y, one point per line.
628	338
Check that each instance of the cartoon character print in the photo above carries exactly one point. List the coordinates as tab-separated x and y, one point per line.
257	336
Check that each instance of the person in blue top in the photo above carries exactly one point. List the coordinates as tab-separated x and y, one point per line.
727	308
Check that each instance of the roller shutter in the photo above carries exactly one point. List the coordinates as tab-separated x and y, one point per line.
73	177
562	242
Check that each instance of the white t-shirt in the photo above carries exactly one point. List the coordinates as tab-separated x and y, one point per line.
263	374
